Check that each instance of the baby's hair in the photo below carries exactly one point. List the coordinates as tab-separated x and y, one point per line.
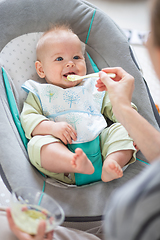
55	28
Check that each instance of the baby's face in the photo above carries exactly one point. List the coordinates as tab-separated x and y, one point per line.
63	56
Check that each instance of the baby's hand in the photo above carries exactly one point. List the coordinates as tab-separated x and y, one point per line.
65	132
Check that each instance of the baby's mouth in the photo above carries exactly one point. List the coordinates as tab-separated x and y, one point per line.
69	73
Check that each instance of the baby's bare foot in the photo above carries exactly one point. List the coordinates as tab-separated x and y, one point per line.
81	163
111	170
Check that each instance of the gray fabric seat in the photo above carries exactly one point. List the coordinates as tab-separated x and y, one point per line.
107	46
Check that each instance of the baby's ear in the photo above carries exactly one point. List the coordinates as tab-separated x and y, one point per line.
39	69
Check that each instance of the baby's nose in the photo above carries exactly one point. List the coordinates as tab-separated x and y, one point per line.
70	64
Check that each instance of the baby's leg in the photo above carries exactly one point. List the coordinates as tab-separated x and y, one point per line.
113	164
56	157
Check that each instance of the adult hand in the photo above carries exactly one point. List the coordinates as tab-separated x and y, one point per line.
120	88
24	236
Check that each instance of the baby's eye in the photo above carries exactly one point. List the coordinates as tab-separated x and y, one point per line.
59	59
76	57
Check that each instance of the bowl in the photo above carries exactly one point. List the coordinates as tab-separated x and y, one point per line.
29	207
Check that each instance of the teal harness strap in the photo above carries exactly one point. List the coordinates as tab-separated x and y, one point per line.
14	112
90	26
94	66
93	152
143	161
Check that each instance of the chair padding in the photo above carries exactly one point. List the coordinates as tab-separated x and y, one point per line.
107	46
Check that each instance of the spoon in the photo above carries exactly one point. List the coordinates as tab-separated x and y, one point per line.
73	78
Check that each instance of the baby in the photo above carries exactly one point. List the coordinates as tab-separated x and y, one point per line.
64	119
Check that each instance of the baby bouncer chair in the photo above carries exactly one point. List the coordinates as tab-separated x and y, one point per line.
21	24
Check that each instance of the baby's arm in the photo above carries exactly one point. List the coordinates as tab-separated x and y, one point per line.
34	123
62	130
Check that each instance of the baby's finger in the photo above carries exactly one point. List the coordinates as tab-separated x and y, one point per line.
67	137
72	133
63	139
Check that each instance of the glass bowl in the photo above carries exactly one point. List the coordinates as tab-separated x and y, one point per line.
29	207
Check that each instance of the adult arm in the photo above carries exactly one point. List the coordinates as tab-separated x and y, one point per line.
120	93
107	110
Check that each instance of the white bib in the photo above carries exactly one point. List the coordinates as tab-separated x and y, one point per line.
80	106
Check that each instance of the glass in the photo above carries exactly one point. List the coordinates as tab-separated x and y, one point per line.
29	207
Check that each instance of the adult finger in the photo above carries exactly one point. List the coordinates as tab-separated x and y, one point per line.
41	231
100	85
18	233
105	79
49	235
118	71
9	217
